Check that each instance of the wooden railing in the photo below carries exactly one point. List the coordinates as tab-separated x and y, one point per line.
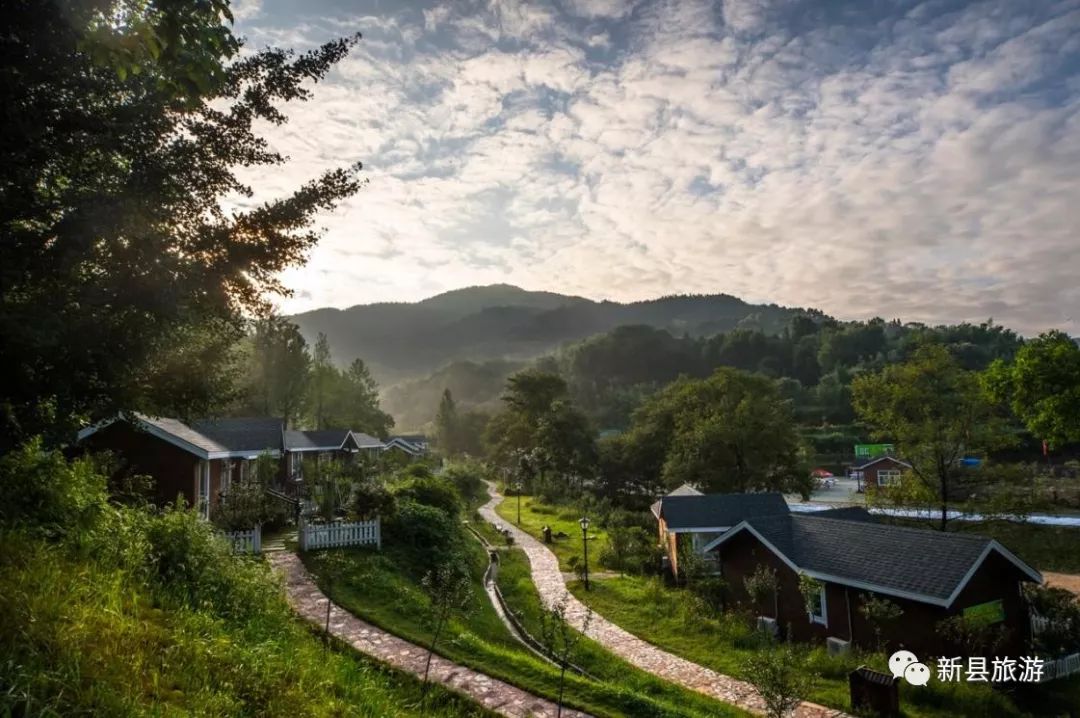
1060	667
337	535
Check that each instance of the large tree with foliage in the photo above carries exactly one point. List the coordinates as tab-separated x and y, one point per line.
729	432
1042	387
279	370
936	412
541	435
124	125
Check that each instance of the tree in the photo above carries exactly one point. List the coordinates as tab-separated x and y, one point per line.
122	243
762	585
936	412
449	591
1042	387
781	678
323	376
447	426
560	639
280	369
357	403
879	613
730	432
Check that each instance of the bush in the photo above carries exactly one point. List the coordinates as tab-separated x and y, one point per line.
45	493
426	530
195	567
468	479
369	498
432	491
781	677
630	549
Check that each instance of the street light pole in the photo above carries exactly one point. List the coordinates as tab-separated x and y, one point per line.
517	488
584	523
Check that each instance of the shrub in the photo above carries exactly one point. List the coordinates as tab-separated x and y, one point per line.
195	567
369	498
426	530
45	493
629	548
1061	608
432	491
468	479
781	677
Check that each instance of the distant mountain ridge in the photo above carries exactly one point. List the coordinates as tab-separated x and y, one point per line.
500	321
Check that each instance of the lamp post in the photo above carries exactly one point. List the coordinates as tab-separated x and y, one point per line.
584	523
517	490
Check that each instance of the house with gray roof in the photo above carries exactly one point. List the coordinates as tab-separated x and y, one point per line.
930	575
688	520
196	462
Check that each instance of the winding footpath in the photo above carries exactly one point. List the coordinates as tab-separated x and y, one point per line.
495	695
551	586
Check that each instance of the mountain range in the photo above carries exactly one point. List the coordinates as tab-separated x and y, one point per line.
401	341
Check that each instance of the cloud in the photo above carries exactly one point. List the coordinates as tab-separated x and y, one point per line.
917	161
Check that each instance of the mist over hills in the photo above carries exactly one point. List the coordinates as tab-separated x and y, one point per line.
401	341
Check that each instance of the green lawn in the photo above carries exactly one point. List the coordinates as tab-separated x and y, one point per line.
665	617
383	588
535	515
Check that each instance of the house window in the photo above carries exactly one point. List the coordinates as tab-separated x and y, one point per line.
888	477
817	608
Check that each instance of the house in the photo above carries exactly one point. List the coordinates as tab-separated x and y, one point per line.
197	461
413	445
930	575
879	472
686	518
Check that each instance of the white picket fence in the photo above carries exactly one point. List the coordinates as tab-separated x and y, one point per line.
1061	667
245	541
337	535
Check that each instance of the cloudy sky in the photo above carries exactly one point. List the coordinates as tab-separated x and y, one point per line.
918	160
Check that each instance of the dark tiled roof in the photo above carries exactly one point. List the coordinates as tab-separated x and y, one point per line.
848	513
322	439
243	434
182	431
715	510
365	441
917	561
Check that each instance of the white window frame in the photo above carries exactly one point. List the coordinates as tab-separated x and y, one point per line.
894	477
823	617
202	488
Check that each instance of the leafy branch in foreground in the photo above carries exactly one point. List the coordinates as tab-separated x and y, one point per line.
124	240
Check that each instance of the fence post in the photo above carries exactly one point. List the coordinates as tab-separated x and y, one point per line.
256	540
378	533
301	533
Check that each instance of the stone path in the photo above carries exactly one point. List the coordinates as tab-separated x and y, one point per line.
310	603
552	587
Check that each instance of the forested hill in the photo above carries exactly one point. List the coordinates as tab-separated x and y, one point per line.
400	341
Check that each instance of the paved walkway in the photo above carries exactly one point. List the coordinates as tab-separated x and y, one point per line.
551	587
310	603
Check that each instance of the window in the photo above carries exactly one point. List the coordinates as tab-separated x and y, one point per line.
888	477
817	608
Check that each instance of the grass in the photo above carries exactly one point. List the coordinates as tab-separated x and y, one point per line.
666	617
80	637
535	515
384	589
1047	548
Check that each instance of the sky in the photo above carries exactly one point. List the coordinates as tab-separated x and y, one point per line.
912	160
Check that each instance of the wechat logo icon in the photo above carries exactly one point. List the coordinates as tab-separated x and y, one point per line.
905	664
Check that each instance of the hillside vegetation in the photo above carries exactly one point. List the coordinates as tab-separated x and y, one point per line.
401	341
126	611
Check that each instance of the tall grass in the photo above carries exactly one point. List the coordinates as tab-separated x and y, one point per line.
120	611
